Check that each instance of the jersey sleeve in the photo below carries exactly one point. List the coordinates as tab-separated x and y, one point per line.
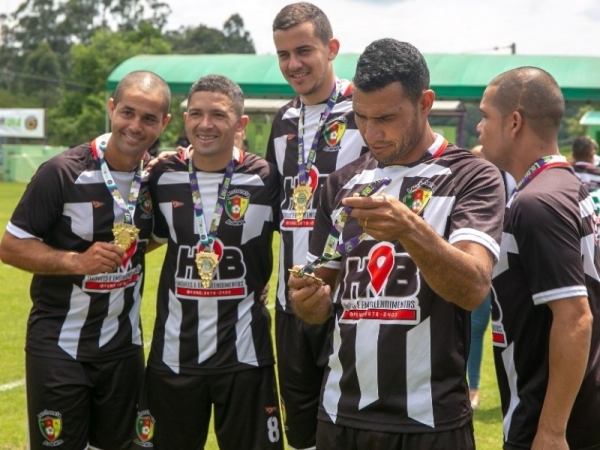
42	203
478	213
548	239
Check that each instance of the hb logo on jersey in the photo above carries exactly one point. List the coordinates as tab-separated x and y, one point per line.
229	276
287	206
382	286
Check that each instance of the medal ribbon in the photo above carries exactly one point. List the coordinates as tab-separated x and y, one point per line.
305	166
334	249
207	239
546	162
134	192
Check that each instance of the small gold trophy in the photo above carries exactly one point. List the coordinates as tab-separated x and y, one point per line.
206	263
125	234
300	197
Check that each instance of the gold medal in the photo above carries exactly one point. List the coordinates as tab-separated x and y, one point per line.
206	263
300	273
125	234
301	197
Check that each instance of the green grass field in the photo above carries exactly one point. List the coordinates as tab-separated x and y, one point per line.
13	317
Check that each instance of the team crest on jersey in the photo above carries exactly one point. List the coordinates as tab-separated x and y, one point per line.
144	429
145	203
50	423
333	134
418	196
236	205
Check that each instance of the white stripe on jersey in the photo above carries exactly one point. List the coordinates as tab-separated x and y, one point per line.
437	212
419	399
508	244
367	364
282	286
172	330
511	373
587	207
134	314
110	324
588	244
557	294
80	214
19	232
255	218
332	392
208	319
70	332
471	234
244	341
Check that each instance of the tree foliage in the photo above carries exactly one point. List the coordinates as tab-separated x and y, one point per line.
57	54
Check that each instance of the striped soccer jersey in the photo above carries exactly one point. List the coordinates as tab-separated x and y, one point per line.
68	206
549	252
340	143
399	350
590	176
222	328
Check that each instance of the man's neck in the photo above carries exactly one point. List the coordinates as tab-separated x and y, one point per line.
120	162
213	163
322	94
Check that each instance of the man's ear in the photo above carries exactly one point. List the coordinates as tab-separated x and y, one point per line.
426	100
515	123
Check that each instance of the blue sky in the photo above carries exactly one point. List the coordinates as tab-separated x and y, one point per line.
554	27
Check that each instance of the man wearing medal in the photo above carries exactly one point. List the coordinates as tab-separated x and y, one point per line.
546	287
216	209
402	297
82	227
311	136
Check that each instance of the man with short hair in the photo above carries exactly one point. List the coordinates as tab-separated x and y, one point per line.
405	268
546	302
311	136
216	208
82	227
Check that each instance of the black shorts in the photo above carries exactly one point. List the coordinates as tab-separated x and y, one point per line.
175	410
71	404
335	437
302	355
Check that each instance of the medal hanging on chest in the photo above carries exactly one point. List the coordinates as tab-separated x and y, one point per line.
206	259
125	233
303	191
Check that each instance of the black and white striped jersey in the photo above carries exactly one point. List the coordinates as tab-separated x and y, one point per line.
224	327
340	143
549	252
399	350
68	206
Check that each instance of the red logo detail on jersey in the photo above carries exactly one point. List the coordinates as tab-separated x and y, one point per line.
176	204
380	265
313	177
96	204
290	136
498	334
129	253
270	409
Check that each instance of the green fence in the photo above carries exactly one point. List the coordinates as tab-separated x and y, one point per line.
19	162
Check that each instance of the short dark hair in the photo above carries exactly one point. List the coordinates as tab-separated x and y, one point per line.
303	12
145	81
223	85
535	94
386	61
583	146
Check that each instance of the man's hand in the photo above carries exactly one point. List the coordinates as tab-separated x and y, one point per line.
159	158
101	257
310	300
263	299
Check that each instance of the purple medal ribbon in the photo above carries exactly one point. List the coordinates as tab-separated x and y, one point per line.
207	239
539	166
305	166
129	207
334	249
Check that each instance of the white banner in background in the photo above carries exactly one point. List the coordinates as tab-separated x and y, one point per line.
23	123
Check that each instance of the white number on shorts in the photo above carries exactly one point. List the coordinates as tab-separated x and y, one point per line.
273	427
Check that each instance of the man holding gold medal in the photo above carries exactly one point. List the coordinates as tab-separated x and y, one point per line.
216	208
82	227
311	136
402	294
